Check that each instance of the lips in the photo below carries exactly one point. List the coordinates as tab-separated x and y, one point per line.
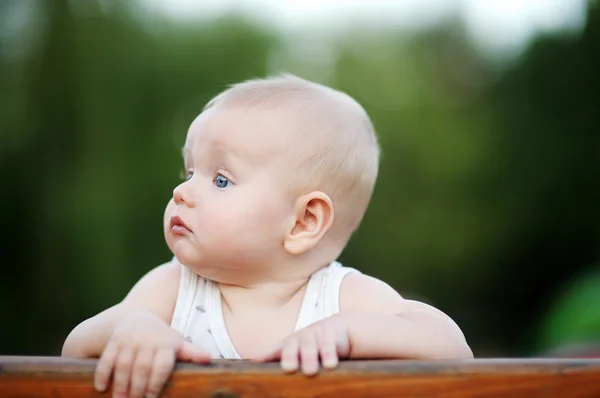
178	226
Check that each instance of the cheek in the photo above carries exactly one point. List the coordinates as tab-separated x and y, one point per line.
167	215
221	219
249	213
267	213
168	211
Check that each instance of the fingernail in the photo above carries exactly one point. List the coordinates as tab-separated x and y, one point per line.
289	366
330	363
100	387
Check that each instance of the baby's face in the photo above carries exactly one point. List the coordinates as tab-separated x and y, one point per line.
235	206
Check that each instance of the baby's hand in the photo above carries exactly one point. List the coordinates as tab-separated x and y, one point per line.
327	340
141	354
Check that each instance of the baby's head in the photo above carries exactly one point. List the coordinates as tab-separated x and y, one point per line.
278	169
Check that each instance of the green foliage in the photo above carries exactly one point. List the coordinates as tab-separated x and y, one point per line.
575	316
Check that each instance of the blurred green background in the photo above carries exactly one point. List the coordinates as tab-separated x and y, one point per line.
487	204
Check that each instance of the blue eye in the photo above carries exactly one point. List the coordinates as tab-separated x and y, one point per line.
221	181
186	174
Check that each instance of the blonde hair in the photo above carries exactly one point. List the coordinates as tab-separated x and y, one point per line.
342	156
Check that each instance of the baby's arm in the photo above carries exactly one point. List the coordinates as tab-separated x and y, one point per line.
375	322
155	294
381	324
133	339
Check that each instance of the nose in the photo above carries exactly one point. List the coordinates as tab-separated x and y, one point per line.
182	194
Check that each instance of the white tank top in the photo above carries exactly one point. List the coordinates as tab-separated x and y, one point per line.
199	317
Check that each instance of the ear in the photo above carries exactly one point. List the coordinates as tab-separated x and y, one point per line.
313	216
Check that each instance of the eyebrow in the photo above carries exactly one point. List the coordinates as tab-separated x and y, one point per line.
229	155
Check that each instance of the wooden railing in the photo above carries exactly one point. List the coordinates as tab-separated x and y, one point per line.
527	378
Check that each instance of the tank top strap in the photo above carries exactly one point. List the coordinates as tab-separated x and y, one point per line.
322	297
185	298
197	305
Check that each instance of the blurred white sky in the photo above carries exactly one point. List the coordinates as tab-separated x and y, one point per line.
496	26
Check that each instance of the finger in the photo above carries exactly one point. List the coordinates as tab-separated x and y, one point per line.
309	354
123	365
164	362
327	348
192	353
342	344
105	367
289	355
141	373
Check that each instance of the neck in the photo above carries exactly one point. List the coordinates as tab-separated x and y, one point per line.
267	295
276	289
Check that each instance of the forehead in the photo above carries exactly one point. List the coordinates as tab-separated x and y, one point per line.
255	135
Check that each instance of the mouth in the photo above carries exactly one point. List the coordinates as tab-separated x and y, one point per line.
178	227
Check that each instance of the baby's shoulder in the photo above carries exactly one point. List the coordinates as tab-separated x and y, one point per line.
164	276
361	292
157	290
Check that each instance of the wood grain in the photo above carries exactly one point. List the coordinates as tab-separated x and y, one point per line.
527	378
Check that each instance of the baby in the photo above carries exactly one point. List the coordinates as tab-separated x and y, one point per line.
278	175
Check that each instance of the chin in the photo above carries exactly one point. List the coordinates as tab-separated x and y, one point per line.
185	255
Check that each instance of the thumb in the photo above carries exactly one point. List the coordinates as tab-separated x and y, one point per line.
192	353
